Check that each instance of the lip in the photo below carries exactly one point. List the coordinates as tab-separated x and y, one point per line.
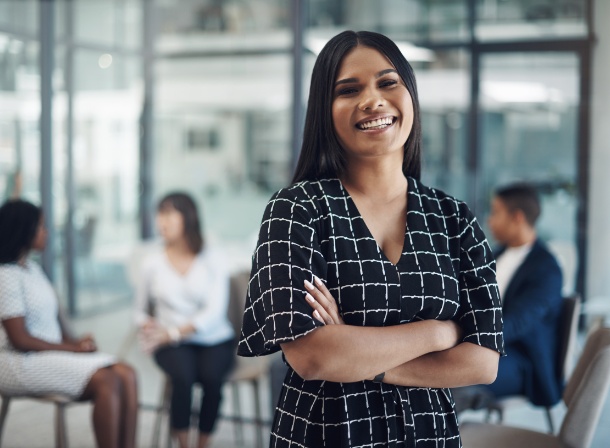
376	117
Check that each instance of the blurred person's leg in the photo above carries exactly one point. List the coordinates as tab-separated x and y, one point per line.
214	364
512	371
179	363
104	390
129	404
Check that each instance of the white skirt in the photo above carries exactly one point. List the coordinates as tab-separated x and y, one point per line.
49	372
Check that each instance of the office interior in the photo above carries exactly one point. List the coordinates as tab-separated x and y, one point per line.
106	105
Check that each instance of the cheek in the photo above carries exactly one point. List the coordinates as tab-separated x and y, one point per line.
177	225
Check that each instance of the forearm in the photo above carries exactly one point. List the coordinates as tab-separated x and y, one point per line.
462	365
345	353
32	344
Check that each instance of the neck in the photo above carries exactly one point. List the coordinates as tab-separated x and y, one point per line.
526	236
23	259
178	247
380	179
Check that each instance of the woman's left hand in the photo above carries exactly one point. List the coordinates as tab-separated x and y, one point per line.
323	303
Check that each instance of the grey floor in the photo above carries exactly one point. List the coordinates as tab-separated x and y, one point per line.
30	423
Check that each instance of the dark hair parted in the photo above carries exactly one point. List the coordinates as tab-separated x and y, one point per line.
321	153
19	221
521	196
185	205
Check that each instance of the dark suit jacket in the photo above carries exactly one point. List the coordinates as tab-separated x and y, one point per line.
531	310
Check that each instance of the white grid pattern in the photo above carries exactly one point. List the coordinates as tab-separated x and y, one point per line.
446	271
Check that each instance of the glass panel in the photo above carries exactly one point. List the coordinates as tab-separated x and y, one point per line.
183	25
96	21
107	106
111	23
411	20
530	19
20	16
224	136
444	95
529	114
98	70
19	118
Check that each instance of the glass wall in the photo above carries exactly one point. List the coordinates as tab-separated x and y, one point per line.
529	128
98	102
19	115
496	105
222	113
515	20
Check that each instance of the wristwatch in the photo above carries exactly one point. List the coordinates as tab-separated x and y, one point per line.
379	378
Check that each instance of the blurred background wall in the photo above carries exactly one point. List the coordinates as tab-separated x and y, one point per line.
105	105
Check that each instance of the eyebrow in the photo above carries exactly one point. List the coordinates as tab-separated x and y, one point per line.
378	75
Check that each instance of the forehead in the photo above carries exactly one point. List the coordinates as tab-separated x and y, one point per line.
498	204
362	60
167	208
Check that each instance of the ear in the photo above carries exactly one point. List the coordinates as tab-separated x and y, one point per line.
519	217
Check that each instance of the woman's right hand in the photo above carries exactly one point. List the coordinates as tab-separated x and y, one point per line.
86	344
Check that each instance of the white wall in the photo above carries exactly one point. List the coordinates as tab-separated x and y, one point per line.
598	270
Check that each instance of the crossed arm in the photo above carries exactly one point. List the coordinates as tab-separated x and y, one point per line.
418	354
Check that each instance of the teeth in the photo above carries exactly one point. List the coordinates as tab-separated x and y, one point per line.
379	123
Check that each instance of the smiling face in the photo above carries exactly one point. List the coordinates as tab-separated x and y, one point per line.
372	109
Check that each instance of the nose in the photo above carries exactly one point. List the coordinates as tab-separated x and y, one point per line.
371	100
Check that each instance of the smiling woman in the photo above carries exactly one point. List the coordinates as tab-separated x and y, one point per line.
380	291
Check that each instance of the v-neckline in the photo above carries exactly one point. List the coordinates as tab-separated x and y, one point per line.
173	268
405	241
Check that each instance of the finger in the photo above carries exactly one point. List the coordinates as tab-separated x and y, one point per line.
319	295
327	301
319	312
330	301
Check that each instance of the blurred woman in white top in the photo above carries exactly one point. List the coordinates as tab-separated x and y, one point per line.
181	312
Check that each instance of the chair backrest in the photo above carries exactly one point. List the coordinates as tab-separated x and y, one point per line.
568	334
238	289
585	393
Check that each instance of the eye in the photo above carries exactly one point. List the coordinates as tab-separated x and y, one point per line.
345	91
388	83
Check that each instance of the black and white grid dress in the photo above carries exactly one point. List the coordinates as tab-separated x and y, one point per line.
446	271
26	292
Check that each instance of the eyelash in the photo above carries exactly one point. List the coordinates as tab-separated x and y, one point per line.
382	84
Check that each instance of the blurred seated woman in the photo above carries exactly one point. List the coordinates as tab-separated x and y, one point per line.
181	311
37	356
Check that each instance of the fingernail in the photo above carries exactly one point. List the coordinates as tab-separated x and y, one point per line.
309	297
317	315
317	280
308	285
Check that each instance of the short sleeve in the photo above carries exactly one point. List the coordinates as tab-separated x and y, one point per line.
287	253
480	309
12	302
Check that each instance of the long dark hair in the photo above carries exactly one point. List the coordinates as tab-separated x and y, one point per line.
19	221
186	206
321	153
